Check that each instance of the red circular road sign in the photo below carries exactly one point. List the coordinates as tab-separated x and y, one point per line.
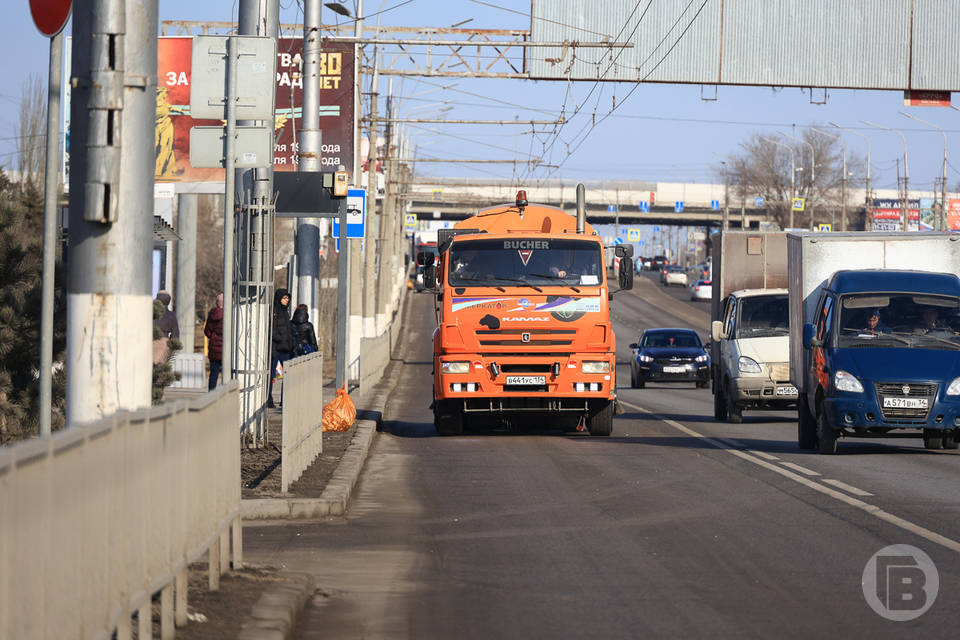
50	16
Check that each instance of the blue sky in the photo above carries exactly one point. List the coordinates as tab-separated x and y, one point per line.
660	133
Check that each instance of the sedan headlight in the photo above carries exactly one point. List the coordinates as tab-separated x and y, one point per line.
702	357
844	381
455	367
748	365
644	358
595	367
954	388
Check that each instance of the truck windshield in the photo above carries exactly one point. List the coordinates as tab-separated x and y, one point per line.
902	320
763	316
527	261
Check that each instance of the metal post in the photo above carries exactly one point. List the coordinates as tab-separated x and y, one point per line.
228	213
51	192
905	205
869	221
813	175
843	179
941	215
186	292
109	301
311	141
343	297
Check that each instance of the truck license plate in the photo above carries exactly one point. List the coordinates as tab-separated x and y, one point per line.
674	369
527	380
787	390
904	403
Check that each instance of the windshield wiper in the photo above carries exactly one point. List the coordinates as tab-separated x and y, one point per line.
481	280
943	340
550	276
519	281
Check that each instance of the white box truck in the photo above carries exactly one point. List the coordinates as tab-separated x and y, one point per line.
749	328
875	336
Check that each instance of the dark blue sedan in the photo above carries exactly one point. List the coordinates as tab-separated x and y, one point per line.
669	355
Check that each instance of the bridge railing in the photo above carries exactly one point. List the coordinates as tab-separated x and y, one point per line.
98	518
302	437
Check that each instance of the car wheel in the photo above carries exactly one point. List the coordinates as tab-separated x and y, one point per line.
633	378
806	426
932	439
950	440
719	405
734	411
826	434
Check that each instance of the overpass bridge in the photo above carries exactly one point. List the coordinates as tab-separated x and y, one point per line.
630	202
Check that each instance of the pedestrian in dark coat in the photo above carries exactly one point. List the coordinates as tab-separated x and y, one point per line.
167	323
304	338
213	329
282	339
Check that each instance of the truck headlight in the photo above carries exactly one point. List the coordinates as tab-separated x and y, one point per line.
702	357
748	365
954	388
455	367
595	367
844	381
646	359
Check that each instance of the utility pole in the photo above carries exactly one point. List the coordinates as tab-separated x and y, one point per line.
793	174
843	179
186	292
941	214
311	141
109	301
387	274
869	200
373	246
50	195
904	182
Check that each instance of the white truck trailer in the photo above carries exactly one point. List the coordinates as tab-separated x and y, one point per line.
749	329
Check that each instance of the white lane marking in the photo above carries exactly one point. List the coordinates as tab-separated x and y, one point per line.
871	509
803	470
763	454
849	488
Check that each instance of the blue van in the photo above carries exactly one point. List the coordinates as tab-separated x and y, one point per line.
882	359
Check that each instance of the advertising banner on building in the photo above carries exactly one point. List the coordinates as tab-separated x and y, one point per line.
336	80
953	214
886	214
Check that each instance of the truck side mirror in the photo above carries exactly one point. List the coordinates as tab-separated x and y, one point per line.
424	257
429	274
623	250
809	339
625	275
716	331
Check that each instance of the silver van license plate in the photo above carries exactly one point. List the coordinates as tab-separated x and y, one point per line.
904	403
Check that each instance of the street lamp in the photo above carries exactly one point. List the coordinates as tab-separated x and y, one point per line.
843	180
942	216
813	170
868	198
793	173
905	204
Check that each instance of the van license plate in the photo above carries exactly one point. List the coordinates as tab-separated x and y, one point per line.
905	403
787	390
527	380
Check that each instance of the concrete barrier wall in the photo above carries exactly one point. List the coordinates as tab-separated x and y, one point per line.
375	352
302	438
98	518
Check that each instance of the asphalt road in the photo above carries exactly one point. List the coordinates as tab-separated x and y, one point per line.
674	526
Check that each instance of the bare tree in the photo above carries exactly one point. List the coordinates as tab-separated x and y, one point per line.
763	169
31	137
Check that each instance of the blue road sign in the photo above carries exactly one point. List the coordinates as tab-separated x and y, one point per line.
715	205
758	201
644	206
611	208
641	243
678	206
356	214
619	240
656	229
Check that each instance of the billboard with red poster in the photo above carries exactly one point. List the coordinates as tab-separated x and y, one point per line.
337	75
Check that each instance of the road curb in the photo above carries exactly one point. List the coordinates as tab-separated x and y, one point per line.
274	615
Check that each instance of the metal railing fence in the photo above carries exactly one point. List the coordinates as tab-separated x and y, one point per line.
302	407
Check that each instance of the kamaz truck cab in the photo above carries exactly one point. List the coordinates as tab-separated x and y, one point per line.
523	320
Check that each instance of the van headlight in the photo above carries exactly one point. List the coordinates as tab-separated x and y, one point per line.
748	365
954	388
702	357
595	367
455	366
844	381
644	358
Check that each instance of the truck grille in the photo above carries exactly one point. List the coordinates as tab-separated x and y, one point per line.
906	390
675	361
526	337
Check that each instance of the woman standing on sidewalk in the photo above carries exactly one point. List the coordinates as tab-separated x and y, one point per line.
282	342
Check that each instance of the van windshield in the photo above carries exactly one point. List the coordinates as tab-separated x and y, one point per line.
525	261
763	316
901	320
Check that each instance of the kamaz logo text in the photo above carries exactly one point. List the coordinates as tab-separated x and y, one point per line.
527	319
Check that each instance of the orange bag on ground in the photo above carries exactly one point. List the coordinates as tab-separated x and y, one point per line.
339	413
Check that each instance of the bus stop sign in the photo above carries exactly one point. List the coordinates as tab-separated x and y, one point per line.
50	16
